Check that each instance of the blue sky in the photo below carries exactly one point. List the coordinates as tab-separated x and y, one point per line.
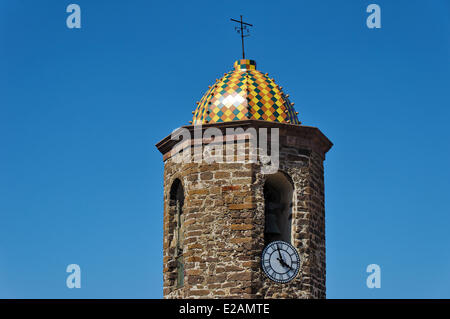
80	112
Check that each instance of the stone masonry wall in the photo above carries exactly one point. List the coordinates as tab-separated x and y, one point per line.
305	168
224	227
219	207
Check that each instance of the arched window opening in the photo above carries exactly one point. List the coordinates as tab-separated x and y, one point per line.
278	192
176	203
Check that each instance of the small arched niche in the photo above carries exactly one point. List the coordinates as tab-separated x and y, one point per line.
278	198
177	230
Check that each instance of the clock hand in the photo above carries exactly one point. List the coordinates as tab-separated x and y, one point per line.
283	263
279	253
281	260
289	266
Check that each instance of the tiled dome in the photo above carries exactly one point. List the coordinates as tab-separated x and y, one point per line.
245	94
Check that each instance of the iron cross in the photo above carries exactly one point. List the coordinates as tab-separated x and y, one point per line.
241	30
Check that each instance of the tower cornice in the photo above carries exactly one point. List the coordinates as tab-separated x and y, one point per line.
299	136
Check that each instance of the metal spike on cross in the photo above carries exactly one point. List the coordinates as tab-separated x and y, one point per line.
241	29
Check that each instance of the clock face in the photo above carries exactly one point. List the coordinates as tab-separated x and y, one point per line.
280	261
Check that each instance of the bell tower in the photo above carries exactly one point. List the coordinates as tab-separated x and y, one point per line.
221	209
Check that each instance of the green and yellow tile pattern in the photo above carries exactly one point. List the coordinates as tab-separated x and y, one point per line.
244	94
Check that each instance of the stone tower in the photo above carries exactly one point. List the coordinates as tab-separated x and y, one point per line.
219	215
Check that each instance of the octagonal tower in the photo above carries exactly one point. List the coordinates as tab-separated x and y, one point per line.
219	215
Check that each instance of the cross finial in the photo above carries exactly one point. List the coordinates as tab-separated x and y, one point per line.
241	29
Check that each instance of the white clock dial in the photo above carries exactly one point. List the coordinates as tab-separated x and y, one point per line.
280	261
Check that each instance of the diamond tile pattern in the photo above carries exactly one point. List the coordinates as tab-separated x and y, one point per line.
244	94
